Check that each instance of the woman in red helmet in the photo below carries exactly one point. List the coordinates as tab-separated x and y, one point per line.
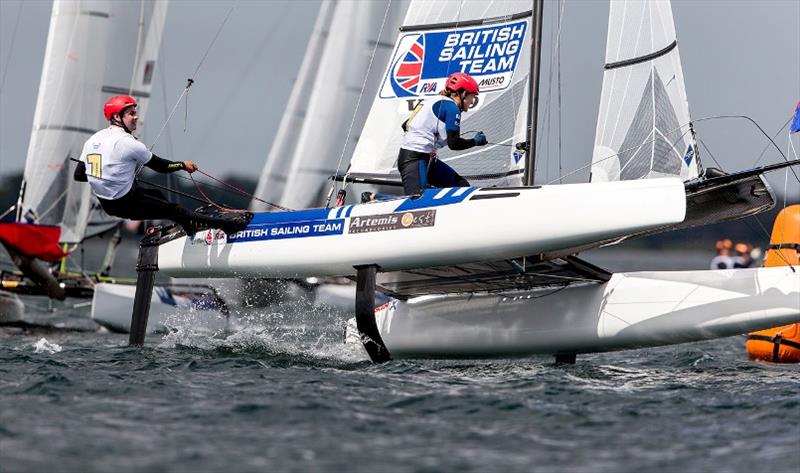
436	122
110	160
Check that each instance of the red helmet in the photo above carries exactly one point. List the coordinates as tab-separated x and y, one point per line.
117	104
462	81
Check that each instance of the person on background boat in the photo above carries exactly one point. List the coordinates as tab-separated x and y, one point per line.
110	161
435	123
723	259
747	255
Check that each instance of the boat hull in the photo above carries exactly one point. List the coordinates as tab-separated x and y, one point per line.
442	227
632	310
112	306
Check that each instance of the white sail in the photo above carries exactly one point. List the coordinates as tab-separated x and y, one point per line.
643	127
331	102
273	177
92	49
489	40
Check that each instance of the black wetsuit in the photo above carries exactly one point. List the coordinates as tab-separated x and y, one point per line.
418	171
152	204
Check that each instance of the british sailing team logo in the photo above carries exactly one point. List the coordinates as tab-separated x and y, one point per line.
406	71
422	61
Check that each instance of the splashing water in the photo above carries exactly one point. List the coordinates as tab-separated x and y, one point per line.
43	346
296	328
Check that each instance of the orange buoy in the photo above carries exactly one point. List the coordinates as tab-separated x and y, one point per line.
780	344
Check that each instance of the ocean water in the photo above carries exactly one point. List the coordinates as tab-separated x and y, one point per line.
283	393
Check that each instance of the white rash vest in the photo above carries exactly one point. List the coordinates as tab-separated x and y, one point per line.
112	156
426	129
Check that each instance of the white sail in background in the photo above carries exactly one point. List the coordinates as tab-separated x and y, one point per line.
331	100
643	126
273	177
92	49
489	40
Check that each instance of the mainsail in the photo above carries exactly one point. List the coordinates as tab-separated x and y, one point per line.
94	49
489	40
643	127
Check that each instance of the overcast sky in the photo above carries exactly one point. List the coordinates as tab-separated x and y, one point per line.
739	57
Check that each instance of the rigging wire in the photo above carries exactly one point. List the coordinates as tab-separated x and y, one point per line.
234	92
558	61
759	129
162	74
191	79
11	46
582	168
358	103
540	145
766	147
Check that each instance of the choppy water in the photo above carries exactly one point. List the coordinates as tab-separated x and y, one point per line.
283	393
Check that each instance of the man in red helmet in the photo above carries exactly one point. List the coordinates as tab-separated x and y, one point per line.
110	161
436	122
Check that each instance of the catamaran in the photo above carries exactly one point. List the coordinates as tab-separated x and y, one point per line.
94	49
492	269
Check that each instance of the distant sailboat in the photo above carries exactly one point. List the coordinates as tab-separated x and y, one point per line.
95	49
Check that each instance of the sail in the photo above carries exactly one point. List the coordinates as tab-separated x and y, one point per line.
643	127
335	107
274	174
488	40
92	50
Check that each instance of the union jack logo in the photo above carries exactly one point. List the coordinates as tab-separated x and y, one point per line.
408	69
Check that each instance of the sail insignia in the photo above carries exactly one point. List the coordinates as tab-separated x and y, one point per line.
454	37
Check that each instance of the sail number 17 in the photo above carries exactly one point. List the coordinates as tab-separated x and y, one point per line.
95	162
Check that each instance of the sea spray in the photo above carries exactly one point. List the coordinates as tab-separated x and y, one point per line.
43	346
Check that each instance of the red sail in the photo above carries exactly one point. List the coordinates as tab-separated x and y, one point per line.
40	241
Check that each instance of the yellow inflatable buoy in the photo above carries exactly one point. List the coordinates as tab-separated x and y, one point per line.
780	344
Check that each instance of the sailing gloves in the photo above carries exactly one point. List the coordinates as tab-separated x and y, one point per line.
480	139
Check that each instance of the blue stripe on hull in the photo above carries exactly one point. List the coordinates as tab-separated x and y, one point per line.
317	222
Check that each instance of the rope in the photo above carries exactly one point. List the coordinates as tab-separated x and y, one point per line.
240	191
208	199
176	176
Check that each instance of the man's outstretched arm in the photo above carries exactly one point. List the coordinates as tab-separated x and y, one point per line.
166	166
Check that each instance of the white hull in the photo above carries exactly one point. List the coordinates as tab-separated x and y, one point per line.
339	296
632	310
443	227
112	306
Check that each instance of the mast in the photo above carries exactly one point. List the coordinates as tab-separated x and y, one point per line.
533	92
